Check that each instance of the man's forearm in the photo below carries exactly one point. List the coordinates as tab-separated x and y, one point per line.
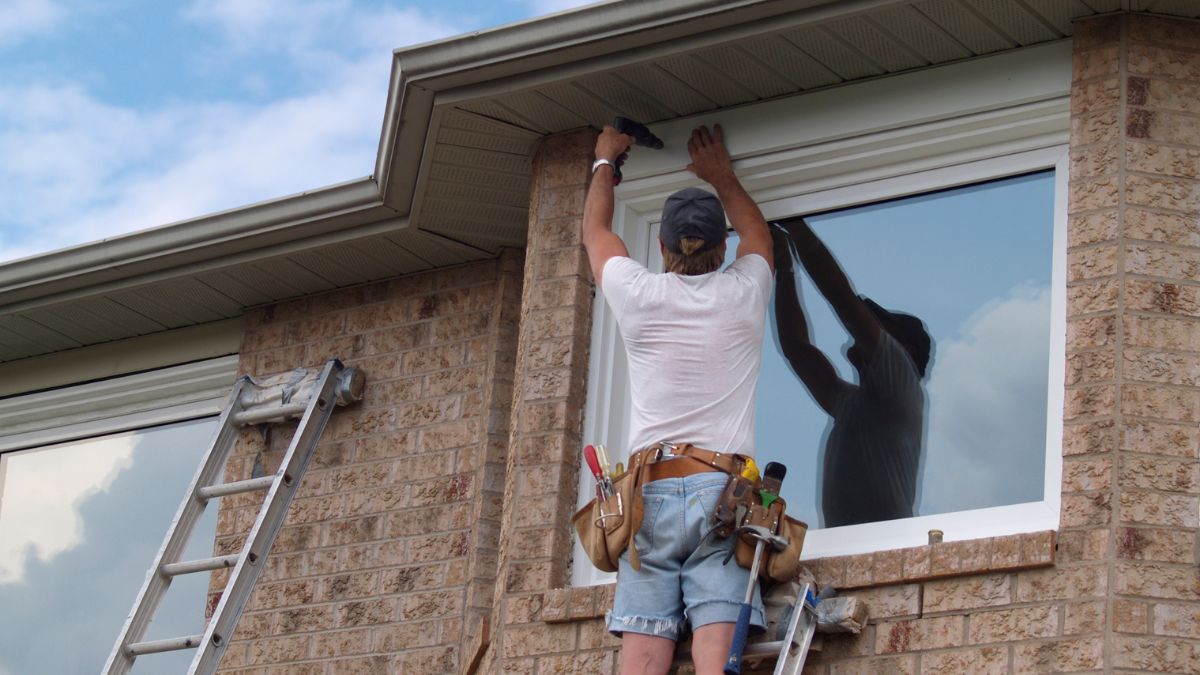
598	206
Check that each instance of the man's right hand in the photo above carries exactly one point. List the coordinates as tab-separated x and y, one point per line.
612	144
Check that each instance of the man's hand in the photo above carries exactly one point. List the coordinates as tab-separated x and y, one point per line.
612	144
710	159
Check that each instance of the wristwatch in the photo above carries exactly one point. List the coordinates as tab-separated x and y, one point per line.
602	161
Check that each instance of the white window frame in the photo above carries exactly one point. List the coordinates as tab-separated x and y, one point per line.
860	144
160	396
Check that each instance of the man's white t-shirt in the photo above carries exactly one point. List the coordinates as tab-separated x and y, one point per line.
694	346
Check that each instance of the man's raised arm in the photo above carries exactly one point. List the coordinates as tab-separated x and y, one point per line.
711	163
598	238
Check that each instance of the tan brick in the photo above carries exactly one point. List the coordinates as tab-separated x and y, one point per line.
1076	546
891	602
1094	161
1082	618
1163	192
918	634
1096	95
1081	475
978	661
1149	260
1092	227
1164	31
1091	332
1157	580
1167	228
1164	297
581	662
1096	127
1096	32
887	567
1158	473
886	665
1089	401
341	643
1176	620
1160	438
1130	616
1059	656
1013	624
1163	655
858	571
948	595
1163	160
1098	193
594	635
1094	63
1074	583
1158	61
1091	367
1149	508
1176	404
1089	438
538	639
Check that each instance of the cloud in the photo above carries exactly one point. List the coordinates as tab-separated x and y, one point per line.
43	492
22	19
987	426
78	169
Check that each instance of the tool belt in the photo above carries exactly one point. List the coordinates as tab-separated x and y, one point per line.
607	526
742	505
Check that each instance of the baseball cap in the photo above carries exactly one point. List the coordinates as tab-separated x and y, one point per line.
908	330
692	212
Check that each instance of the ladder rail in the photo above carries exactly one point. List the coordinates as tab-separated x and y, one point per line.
155	585
261	538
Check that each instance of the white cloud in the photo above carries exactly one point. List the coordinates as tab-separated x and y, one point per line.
987	393
550	6
42	492
78	169
21	19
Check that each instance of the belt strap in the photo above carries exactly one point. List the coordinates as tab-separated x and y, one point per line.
731	464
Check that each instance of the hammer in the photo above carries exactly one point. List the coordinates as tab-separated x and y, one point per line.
763	536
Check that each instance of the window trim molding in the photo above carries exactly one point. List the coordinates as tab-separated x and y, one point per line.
961	144
117	404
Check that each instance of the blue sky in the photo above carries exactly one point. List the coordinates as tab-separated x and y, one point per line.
129	114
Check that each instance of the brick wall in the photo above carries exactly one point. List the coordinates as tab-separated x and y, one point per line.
386	563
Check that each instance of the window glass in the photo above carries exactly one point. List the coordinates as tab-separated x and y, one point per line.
80	523
973	265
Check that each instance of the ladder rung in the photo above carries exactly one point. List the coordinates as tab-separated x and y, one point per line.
236	487
258	416
168	645
202	565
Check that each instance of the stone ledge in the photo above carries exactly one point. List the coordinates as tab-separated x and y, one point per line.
937	561
881	568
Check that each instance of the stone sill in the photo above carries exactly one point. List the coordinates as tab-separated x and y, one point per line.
855	572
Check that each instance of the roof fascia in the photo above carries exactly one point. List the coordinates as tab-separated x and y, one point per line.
589	39
224	236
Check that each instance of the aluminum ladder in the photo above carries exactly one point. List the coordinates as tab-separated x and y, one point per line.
792	642
310	395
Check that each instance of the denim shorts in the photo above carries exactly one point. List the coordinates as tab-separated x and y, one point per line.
684	576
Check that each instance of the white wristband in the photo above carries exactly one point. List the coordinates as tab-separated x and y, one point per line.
600	162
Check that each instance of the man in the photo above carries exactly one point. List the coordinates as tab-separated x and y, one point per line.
693	338
873	451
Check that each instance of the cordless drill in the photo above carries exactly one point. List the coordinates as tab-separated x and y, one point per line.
641	136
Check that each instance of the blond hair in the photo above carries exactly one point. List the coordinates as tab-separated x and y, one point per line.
692	260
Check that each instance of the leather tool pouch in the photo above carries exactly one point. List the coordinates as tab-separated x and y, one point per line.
606	526
776	565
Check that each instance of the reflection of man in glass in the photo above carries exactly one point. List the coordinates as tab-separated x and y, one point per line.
874	447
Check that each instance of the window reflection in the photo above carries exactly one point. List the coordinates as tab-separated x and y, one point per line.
80	524
868	431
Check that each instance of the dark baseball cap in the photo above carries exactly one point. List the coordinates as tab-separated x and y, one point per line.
692	212
908	330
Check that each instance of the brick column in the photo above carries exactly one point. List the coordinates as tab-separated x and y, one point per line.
1156	584
543	466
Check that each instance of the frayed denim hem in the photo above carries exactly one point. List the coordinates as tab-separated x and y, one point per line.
664	627
723	611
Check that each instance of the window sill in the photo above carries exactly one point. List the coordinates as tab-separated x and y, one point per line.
850	572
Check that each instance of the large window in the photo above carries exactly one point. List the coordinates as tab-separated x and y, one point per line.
81	521
949	208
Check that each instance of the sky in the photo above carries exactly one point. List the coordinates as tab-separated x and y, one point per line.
129	114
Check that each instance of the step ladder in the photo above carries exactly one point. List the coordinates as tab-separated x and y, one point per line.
310	395
793	637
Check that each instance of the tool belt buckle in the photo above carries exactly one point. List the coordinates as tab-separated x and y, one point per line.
665	445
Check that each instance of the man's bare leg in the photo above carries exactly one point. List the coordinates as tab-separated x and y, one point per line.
648	654
710	647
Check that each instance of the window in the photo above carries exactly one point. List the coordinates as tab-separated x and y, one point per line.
81	519
954	212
